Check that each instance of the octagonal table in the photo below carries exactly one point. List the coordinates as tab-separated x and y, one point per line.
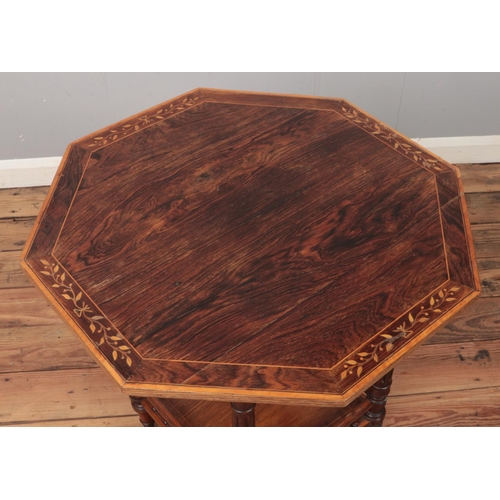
232	247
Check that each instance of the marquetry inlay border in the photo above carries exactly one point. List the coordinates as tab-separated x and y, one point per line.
86	318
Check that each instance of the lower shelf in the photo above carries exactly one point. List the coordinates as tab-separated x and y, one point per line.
190	413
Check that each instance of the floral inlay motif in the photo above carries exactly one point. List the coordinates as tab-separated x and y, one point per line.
143	121
392	139
384	342
81	309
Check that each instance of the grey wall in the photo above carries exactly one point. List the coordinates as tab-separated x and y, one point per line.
40	113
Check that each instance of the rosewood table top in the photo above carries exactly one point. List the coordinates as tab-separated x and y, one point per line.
252	247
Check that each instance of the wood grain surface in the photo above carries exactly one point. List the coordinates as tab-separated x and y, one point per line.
29	325
22	307
478	322
479	178
486	239
59	394
457	408
283	225
483	207
118	421
11	275
21	203
14	232
56	348
225	242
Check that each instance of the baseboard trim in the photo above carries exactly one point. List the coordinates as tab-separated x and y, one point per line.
32	172
468	149
28	172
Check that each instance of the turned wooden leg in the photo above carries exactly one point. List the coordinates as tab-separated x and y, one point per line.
243	414
144	416
378	394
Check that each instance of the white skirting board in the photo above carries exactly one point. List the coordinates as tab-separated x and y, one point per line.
469	149
28	172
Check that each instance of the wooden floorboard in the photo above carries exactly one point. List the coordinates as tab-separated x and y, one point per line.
483	207
25	307
449	367
489	272
479	321
14	233
478	178
472	408
21	203
486	240
42	348
11	275
47	377
125	421
62	394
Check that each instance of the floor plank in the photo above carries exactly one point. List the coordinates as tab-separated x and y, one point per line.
479	321
11	274
125	421
489	274
42	347
25	202
483	208
471	408
25	307
58	395
448	367
487	239
480	178
14	233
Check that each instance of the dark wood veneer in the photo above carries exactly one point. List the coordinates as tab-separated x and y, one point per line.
245	247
